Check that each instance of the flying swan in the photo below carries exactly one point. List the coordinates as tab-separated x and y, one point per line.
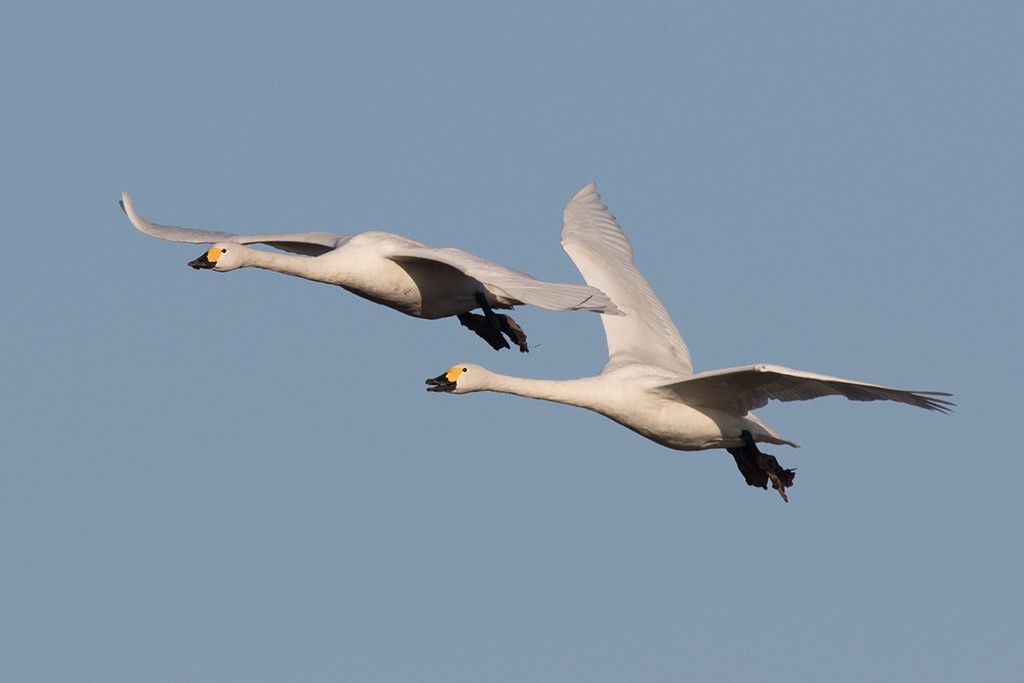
648	384
392	270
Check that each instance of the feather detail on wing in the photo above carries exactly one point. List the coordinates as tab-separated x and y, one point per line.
512	284
603	255
308	243
740	390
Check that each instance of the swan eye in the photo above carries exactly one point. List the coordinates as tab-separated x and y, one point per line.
465	369
223	251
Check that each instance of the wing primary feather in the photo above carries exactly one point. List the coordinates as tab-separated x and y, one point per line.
747	388
645	334
516	285
307	243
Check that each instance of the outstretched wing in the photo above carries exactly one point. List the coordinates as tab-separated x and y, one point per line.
740	390
308	243
603	255
513	285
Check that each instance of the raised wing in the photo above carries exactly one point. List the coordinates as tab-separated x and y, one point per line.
740	390
516	286
308	243
603	255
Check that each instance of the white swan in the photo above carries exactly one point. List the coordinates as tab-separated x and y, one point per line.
392	270
648	384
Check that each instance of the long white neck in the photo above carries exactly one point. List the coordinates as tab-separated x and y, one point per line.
289	264
574	392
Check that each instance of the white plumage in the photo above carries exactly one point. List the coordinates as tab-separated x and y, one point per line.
648	384
421	281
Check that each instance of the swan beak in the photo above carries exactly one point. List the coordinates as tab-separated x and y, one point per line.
441	383
202	262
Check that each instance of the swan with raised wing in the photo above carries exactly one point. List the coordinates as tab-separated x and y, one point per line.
648	384
388	269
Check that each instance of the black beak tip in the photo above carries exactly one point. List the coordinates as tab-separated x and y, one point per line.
440	383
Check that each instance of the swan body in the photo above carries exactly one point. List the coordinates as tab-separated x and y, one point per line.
648	384
365	267
627	395
392	270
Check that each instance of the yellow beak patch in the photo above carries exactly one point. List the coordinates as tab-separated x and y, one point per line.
212	254
453	373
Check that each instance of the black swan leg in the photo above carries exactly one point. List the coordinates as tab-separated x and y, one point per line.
758	468
512	330
494	327
483	327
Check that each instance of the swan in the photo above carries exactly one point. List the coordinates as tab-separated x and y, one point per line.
392	270
648	384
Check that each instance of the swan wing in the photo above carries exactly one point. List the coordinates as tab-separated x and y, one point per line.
308	243
512	285
740	390
603	255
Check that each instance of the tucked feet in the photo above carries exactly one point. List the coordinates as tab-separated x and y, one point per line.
510	328
758	468
494	327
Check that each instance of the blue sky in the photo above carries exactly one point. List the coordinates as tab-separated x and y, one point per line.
240	477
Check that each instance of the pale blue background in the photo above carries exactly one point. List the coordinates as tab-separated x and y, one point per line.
240	477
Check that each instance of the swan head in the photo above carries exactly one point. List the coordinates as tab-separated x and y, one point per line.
461	378
221	257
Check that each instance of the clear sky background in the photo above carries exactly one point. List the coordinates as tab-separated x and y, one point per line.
240	477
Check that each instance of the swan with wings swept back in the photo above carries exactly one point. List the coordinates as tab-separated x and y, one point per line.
395	271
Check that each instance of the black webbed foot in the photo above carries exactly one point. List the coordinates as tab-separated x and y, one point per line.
494	327
758	468
483	327
512	330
